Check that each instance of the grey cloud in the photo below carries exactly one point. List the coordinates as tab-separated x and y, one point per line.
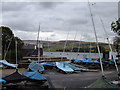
57	17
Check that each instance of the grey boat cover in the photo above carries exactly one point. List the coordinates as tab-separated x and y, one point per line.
34	66
4	62
102	83
64	67
72	66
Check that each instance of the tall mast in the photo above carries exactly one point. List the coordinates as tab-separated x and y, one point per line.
96	38
78	48
73	45
8	47
109	45
38	35
65	45
16	52
38	44
48	47
90	50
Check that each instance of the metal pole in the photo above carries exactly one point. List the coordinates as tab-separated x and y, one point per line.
49	48
8	48
96	38
16	53
78	48
38	55
109	45
64	46
73	46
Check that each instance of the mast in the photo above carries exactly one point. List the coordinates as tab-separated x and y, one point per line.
90	50
38	44
96	38
8	47
73	45
65	46
110	45
48	47
16	53
78	48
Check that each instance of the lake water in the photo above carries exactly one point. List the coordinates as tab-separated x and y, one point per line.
71	55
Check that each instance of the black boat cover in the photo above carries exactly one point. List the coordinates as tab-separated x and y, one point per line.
15	77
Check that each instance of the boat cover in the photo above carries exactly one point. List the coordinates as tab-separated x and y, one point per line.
48	64
102	83
4	62
2	81
95	61
15	77
64	67
72	66
34	66
34	76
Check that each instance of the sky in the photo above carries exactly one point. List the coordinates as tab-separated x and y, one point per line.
57	19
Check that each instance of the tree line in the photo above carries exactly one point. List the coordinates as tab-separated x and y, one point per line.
8	45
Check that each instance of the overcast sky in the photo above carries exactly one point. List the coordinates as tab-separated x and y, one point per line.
58	18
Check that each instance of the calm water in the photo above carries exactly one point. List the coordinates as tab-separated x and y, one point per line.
74	55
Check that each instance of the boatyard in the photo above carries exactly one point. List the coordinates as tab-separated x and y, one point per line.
74	80
65	46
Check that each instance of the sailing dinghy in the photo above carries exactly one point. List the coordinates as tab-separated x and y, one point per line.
34	76
4	62
72	66
34	66
63	67
16	76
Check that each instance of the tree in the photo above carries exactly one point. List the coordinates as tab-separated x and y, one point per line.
8	38
115	27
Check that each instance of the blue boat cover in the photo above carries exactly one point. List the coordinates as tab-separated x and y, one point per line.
89	61
2	81
4	62
76	60
34	76
112	60
64	67
95	61
34	66
72	66
48	64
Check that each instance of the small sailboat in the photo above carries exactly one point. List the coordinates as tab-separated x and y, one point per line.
65	68
61	65
34	76
101	82
5	63
36	68
16	76
72	66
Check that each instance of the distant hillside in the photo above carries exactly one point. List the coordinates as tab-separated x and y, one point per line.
58	45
